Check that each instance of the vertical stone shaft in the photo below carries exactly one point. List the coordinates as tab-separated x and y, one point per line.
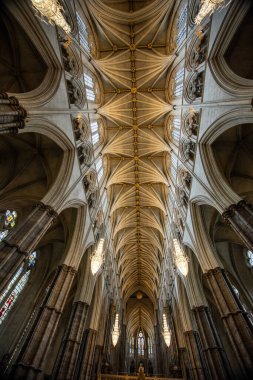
96	362
212	348
22	240
235	319
34	355
87	354
68	355
240	217
197	360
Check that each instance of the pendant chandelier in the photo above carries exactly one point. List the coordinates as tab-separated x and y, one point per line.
207	8
50	10
97	258
166	331
180	258
115	331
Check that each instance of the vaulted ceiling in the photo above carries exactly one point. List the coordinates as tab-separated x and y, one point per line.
133	63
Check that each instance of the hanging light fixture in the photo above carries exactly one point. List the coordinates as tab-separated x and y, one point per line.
51	11
115	331
166	331
97	258
207	8
180	258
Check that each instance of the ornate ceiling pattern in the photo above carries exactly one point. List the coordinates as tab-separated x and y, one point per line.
133	63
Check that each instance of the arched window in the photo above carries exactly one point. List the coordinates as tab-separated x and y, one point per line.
8	220
181	25
140	343
15	286
99	168
104	201
83	33
150	347
178	86
94	132
89	87
131	346
249	258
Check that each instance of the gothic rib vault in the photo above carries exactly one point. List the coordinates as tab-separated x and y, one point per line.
133	63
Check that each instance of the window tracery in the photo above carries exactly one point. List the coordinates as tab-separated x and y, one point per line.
83	33
182	25
99	168
16	285
8	220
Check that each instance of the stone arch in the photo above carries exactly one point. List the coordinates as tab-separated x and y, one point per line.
224	192
238	18
47	85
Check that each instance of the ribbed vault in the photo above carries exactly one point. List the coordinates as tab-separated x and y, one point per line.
133	63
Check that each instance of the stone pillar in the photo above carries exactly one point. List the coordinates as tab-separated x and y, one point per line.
240	217
22	240
96	362
66	361
86	355
158	350
197	360
212	347
235	319
122	353
12	114
34	355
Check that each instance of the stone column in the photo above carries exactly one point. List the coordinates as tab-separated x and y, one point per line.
212	347
197	360
12	114
240	217
158	350
34	355
122	353
236	321
67	358
96	362
87	354
22	240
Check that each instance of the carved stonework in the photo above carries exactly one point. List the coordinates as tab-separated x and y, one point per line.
85	153
75	93
90	181
81	129
93	198
187	149
12	114
195	87
240	217
191	124
69	59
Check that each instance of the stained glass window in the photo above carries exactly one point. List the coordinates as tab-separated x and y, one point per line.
131	347
3	234
150	347
249	256
140	343
15	287
104	201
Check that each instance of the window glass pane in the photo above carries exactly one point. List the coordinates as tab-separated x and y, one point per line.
83	33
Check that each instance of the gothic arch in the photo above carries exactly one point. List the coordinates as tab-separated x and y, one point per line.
222	72
222	190
22	13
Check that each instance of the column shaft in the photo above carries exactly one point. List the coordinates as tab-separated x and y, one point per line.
34	355
68	355
235	319
12	114
87	354
212	348
197	360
